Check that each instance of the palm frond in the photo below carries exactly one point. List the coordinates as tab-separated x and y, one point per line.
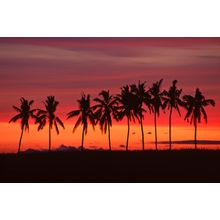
189	112
57	120
204	114
73	114
31	102
79	120
15	118
56	127
41	112
38	119
42	124
16	108
208	102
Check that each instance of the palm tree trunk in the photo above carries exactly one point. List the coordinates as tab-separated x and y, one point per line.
142	133
49	138
170	122
83	132
109	138
195	123
19	147
155	124
128	134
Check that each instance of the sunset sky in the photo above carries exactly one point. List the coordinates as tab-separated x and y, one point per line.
66	67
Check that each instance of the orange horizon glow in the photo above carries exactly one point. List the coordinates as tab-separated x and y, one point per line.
95	139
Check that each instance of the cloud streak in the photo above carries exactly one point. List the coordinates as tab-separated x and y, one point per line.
66	67
191	142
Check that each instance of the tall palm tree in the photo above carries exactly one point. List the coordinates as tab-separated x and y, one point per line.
49	115
126	107
156	101
85	114
172	101
143	97
24	114
195	107
105	109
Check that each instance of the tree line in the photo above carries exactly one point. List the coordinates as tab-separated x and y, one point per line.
133	103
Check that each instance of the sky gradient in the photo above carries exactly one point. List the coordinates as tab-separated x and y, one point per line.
66	67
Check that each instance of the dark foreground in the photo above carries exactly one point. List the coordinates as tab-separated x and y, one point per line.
102	166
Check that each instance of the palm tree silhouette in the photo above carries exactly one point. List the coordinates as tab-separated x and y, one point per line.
143	97
156	101
24	114
48	115
195	107
85	114
172	101
105	109
126	108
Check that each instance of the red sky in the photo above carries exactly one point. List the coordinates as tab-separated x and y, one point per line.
65	67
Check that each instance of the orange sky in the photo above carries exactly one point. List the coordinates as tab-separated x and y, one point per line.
65	67
95	139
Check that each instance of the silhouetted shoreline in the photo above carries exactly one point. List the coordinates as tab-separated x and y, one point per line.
112	166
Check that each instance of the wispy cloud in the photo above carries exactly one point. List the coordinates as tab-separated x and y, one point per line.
190	142
66	67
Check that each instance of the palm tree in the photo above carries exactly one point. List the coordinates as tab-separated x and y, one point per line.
105	109
195	107
156	101
85	114
143	97
126	108
172	100
24	114
48	115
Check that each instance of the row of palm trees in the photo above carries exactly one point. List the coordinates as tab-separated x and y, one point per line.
132	104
